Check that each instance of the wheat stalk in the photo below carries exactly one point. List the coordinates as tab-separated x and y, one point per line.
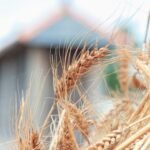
138	134
64	138
140	142
124	58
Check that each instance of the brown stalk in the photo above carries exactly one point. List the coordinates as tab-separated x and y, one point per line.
76	70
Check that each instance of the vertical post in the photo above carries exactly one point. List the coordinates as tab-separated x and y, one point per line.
146	33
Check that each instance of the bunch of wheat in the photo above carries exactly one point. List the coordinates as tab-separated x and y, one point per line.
126	126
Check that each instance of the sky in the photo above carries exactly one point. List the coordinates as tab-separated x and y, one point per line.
16	15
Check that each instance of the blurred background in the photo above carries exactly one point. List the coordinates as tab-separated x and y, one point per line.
32	31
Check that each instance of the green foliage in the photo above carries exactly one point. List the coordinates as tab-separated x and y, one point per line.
111	77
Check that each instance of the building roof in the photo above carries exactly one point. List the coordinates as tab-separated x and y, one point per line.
28	21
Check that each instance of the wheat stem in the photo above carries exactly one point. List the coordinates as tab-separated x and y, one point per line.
134	137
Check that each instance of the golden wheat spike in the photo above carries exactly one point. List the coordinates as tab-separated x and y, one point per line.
64	138
30	142
79	119
107	142
28	137
76	70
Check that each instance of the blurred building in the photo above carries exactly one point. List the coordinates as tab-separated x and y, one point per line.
25	59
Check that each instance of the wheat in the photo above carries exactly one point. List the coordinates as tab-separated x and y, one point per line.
30	141
27	135
116	117
126	126
64	138
107	142
78	118
135	136
76	70
124	57
140	108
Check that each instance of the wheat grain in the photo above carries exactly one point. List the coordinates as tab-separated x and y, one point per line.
108	142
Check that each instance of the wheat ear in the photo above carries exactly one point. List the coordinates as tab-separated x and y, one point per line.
108	142
111	140
76	70
80	122
31	141
64	138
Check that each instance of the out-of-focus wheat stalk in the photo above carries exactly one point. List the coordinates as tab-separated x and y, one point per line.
123	75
